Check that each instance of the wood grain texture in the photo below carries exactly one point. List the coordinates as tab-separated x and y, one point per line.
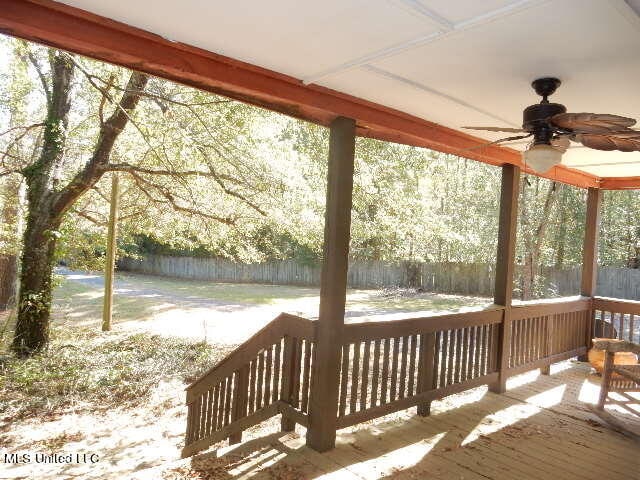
503	292
323	408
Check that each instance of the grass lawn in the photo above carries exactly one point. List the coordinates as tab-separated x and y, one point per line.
142	300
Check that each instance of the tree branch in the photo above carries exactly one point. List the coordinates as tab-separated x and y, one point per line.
43	79
109	132
170	200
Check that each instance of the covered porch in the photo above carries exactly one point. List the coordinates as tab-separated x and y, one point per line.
347	386
541	427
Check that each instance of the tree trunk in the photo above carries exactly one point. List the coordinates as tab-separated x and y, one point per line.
8	277
533	245
561	238
47	203
34	304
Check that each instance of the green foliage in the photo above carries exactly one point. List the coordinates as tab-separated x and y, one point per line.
266	199
87	370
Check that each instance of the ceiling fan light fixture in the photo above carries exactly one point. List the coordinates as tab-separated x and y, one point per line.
541	157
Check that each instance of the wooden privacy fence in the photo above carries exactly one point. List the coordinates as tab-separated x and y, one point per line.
460	278
469	279
385	366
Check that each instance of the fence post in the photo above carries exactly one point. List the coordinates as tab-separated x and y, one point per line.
239	408
426	376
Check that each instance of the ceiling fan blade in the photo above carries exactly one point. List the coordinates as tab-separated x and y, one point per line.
561	143
609	142
502	140
591	122
498	129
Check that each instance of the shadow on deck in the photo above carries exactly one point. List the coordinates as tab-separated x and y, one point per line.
542	427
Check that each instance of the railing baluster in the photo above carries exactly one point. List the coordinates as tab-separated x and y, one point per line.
277	365
376	372
468	354
344	380
306	376
295	401
477	350
394	368
452	357
445	359
267	377
403	367
355	371
385	372
412	365
365	375
260	385
227	401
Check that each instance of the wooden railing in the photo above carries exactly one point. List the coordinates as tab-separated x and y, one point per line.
392	365
614	318
267	375
386	366
546	332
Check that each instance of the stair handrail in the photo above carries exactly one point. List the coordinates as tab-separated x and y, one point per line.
284	324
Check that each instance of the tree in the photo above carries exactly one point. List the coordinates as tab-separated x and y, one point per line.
175	159
48	198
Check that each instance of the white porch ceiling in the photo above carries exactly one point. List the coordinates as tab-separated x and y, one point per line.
453	62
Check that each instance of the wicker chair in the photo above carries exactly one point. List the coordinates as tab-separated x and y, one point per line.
618	378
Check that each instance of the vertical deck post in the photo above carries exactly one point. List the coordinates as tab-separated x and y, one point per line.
590	254
323	411
109	263
426	375
503	291
289	370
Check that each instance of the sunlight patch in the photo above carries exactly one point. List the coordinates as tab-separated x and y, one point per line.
548	398
80	276
497	421
90	295
394	461
522	379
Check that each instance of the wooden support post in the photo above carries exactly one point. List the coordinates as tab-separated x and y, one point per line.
240	397
503	291
426	375
289	369
590	255
110	260
323	412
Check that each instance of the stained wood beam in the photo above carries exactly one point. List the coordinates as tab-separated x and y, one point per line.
503	292
68	28
321	434
620	183
590	256
590	244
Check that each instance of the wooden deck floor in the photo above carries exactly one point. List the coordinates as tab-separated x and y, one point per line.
542	428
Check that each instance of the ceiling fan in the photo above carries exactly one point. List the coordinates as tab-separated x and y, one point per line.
553	129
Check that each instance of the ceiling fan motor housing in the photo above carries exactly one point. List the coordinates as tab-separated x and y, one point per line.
535	119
